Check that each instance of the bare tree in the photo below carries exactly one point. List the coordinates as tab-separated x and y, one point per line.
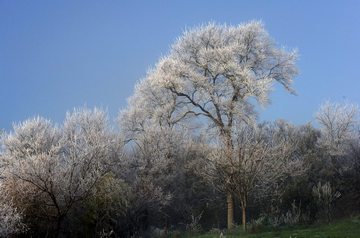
262	158
11	219
154	166
149	106
213	71
30	162
338	125
59	165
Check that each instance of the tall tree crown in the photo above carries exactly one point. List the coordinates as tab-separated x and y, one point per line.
215	70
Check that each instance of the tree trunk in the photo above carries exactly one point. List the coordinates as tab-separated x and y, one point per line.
230	201
243	203
243	210
58	225
230	211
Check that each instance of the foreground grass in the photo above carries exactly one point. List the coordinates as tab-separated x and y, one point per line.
349	228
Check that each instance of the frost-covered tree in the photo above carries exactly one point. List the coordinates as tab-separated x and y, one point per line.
152	169
214	71
157	144
148	108
30	163
59	165
338	123
325	197
11	220
163	152
339	132
263	157
338	143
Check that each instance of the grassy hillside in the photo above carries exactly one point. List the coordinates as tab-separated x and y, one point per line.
349	228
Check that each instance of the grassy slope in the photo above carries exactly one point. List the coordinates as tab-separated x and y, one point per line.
349	228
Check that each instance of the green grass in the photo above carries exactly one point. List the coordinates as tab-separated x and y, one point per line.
349	228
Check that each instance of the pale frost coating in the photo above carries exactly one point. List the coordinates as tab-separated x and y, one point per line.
214	70
11	220
338	123
149	107
264	155
60	165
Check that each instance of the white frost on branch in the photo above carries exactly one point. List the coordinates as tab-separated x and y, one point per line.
60	165
11	220
214	70
338	123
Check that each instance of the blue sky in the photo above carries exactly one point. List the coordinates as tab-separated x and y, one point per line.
57	55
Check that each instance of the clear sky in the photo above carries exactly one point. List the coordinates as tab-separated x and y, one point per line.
57	55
